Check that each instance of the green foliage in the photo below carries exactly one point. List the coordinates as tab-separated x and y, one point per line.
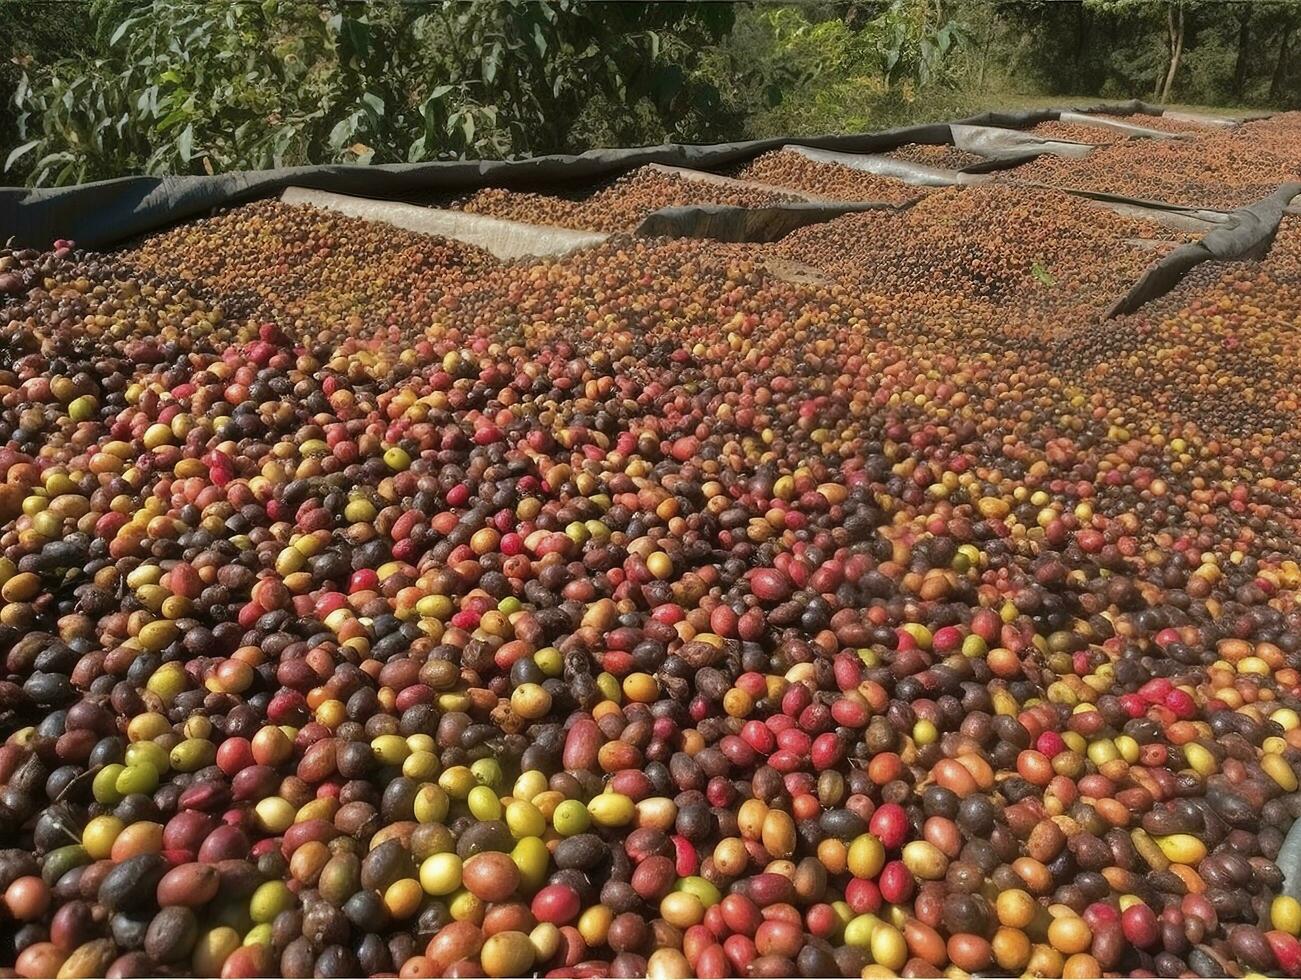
26	40
809	69
179	86
489	79
1209	67
914	41
196	86
1232	53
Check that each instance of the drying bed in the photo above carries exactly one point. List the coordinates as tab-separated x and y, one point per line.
1214	347
371	605
1025	249
1218	169
940	155
621	206
1055	129
789	168
1102	129
1179	126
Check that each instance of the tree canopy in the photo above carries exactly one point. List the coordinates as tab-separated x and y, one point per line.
195	86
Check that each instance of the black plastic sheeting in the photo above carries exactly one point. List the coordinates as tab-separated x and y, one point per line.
104	213
1248	236
1142	202
994	164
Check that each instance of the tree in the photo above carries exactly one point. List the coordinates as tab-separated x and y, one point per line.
26	37
495	78
1050	46
1175	22
1244	43
179	86
1213	53
197	86
1284	60
1174	16
811	68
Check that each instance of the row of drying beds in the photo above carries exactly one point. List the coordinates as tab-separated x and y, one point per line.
1000	148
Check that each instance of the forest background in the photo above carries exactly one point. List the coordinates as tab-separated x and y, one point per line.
112	87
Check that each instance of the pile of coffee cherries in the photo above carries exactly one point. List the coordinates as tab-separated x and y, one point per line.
622	205
940	155
1220	169
834	181
372	607
1101	135
1031	252
1055	129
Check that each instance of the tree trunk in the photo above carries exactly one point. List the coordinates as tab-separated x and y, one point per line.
1240	65
1079	37
991	27
1169	40
1176	23
1280	69
1084	76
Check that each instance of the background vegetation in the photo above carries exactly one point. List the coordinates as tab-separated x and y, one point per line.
191	86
